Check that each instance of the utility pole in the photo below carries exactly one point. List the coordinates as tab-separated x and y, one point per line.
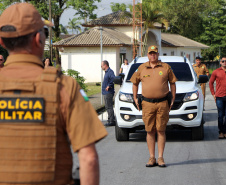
101	51
50	32
137	28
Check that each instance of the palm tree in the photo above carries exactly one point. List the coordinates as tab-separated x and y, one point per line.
151	14
74	25
63	29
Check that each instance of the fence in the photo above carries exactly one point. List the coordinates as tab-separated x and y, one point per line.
212	65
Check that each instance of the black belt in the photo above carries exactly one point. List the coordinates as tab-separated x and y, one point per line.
154	100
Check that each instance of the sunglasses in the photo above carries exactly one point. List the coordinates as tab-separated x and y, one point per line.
223	61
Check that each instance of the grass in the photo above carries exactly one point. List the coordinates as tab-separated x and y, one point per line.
211	71
93	89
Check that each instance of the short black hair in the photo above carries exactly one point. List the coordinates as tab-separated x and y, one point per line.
197	58
106	62
17	42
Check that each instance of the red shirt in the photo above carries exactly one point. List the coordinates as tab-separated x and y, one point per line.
220	76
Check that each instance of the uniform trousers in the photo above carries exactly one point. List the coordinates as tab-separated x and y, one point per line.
108	98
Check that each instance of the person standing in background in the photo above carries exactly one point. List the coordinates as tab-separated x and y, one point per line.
108	91
201	69
219	75
47	62
124	67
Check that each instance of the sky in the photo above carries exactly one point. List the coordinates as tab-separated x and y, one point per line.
103	9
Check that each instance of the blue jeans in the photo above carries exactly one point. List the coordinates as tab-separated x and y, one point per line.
221	107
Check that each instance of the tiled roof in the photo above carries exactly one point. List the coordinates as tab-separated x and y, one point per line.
176	40
119	18
111	37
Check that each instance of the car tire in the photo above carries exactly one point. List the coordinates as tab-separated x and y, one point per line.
121	134
197	133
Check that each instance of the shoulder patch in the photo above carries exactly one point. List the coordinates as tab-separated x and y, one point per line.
22	109
84	95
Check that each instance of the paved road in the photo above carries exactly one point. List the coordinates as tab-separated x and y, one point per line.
189	162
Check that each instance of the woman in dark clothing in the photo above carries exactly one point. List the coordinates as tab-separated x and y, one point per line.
47	62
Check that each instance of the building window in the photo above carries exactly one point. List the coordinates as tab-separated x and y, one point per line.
172	53
182	53
164	54
194	56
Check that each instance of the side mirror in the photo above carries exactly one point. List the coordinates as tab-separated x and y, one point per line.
122	75
203	79
118	80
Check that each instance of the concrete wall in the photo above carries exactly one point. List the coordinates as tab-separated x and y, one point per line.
87	60
128	30
190	53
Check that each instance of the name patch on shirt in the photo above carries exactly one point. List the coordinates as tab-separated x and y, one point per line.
22	109
146	76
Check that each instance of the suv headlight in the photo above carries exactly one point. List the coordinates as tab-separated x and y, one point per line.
126	97
191	96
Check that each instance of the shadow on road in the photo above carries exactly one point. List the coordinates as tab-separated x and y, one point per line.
210	134
198	161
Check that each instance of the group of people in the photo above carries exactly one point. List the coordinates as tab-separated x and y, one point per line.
219	94
55	108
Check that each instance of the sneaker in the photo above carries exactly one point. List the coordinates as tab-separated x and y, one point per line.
151	162
221	136
161	162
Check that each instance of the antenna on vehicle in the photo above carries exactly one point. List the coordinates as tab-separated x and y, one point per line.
185	59
135	60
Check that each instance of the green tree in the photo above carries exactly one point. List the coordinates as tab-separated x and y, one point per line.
63	29
151	14
186	16
57	8
84	8
73	24
76	75
117	6
214	34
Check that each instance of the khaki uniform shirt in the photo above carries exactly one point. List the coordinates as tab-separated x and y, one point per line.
154	80
79	121
201	69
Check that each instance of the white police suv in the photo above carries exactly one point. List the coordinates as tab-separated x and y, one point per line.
187	111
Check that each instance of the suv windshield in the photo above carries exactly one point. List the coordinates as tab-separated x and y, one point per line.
181	70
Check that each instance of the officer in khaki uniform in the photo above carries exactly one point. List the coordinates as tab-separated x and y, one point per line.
155	76
201	69
42	112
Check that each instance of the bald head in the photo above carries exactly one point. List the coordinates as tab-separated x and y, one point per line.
2	60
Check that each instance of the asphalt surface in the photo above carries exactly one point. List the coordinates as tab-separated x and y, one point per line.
188	162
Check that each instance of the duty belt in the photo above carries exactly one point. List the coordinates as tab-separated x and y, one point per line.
154	100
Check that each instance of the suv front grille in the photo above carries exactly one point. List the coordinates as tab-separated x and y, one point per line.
177	103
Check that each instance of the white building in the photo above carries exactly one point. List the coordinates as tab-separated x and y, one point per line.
82	52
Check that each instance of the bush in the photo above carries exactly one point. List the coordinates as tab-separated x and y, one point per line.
75	74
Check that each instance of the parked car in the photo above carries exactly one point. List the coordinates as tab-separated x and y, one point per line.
187	111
